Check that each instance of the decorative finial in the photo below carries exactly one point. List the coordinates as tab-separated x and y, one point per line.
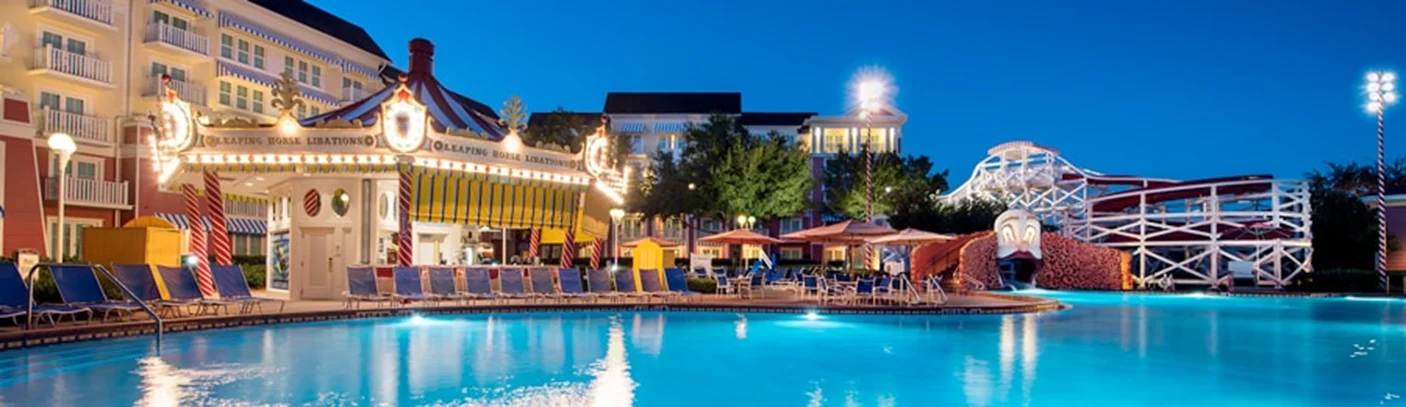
286	96
514	115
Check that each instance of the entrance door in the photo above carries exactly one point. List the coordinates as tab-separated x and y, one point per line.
317	264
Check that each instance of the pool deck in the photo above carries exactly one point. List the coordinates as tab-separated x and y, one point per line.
312	311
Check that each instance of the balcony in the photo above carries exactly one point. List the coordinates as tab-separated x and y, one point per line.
84	129
94	12
350	94
68	65
188	91
88	192
185	41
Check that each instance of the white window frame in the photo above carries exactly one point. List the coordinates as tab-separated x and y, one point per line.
88	42
64	95
73	243
792	253
73	162
229	47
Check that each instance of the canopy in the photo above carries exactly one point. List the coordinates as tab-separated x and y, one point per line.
741	236
651	239
911	236
849	232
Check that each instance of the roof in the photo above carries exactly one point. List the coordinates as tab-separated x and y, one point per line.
673	102
391	76
774	119
327	23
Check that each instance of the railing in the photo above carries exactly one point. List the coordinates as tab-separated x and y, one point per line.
80	191
96	10
81	127
675	234
82	66
190	92
181	38
29	312
246	209
350	94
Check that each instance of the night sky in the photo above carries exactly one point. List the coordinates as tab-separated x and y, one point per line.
1180	89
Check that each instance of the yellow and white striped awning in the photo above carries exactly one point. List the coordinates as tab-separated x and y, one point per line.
493	201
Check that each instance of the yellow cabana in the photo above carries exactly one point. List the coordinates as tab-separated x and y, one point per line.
145	240
649	254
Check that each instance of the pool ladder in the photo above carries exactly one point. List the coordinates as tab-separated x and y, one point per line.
29	318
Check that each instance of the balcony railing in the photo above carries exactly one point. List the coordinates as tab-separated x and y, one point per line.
190	92
179	38
79	65
81	127
88	192
350	94
671	233
96	10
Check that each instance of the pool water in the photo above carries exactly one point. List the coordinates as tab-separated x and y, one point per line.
1110	349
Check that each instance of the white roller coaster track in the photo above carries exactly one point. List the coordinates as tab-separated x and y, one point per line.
1192	232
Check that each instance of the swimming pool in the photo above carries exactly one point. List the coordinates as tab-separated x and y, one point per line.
1110	349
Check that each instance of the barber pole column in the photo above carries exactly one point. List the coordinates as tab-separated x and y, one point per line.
197	241
597	246
215	205
403	254
534	242
568	247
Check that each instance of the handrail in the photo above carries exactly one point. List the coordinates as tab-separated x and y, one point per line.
29	318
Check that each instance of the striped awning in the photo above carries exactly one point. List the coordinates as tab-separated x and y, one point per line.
244	226
188	5
447	110
230	69
349	66
230	20
481	199
629	127
670	127
180	221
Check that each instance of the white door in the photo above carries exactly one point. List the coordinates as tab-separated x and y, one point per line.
317	264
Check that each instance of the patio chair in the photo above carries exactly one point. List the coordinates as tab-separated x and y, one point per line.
651	285
230	283
625	285
477	284
542	284
510	284
139	279
598	282
361	287
569	280
864	290
718	271
724	285
79	287
742	286
181	286
14	295
409	285
678	283
442	284
884	289
810	286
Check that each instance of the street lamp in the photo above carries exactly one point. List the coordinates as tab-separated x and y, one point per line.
615	215
1381	92
62	145
872	93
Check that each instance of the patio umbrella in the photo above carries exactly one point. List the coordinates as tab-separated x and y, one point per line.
741	236
848	233
911	237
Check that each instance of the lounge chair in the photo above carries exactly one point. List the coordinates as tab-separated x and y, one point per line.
625	284
542	284
510	284
599	284
230	283
361	287
78	286
650	284
409	286
139	279
810	285
477	284
724	284
442	284
678	282
863	291
14	294
181	287
569	281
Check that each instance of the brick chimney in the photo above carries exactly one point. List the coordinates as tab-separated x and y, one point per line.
421	57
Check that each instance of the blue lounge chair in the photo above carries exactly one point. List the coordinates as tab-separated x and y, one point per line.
233	288
649	282
569	280
78	286
863	290
478	285
625	284
139	279
182	287
442	284
409	286
678	282
14	295
810	285
542	284
724	284
510	284
361	287
599	283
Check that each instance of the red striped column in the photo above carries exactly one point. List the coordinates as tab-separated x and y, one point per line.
215	206
568	247
197	241
534	242
404	257
597	246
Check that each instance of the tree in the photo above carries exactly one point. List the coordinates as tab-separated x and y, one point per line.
901	184
1344	226
561	128
967	216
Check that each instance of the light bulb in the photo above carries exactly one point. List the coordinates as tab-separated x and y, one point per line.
1388	77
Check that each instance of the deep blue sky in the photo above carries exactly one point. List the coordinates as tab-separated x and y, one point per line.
1182	89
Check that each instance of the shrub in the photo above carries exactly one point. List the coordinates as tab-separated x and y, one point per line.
703	285
254	274
1337	281
249	260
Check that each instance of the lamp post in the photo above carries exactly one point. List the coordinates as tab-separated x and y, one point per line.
871	95
615	215
62	145
1381	92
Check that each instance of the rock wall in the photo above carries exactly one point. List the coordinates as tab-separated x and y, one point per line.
1067	264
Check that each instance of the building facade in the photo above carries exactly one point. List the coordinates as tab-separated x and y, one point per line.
93	69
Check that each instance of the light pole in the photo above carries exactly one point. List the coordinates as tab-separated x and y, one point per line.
871	95
1381	92
62	145
615	215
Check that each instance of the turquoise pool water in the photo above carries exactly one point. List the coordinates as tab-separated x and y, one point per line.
1111	349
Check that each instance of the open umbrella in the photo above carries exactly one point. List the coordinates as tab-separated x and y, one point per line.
850	232
741	236
911	237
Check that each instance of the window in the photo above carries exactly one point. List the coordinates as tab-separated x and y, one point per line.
73	105
158	69
877	138
716	252
177	74
836	253
259	56
258	101
288	65
315	111
302	111
51	40
751	251
82	167
316	77
226	46
636	145
241	98
790	225
347	83
666	142
835	140
174	22
711	226
303	71
72	236
56	41
224	93
792	253
243	52
49	100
